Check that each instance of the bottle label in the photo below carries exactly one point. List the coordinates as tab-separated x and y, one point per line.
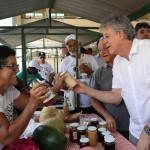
74	135
70	98
52	95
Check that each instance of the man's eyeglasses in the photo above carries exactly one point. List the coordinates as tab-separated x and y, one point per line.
13	66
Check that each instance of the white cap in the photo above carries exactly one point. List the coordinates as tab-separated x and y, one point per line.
84	140
109	139
94	119
92	128
102	123
35	63
70	37
74	124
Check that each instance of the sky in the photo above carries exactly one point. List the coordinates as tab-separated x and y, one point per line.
6	22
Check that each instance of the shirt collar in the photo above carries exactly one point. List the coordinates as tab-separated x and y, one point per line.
97	55
134	48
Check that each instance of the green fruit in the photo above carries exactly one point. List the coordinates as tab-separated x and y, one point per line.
49	138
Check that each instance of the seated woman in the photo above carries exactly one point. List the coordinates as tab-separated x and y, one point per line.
11	98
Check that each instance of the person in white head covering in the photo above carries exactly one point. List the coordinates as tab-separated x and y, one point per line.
87	65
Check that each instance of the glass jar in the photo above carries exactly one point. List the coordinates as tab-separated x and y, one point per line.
73	132
84	142
92	135
102	124
81	132
94	122
104	133
100	130
84	121
109	143
69	80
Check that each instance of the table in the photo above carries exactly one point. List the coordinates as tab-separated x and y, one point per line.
121	143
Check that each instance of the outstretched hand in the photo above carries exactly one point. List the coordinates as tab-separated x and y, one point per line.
59	83
80	88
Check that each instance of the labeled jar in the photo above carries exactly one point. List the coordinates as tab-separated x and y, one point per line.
104	133
84	142
92	135
69	79
103	124
73	132
81	132
94	122
109	143
100	130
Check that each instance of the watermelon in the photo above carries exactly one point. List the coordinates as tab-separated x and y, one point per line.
49	138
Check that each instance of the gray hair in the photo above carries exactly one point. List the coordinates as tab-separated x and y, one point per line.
119	22
101	38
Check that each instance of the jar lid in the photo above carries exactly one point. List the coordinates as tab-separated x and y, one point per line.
105	133
101	129
74	124
102	123
91	128
109	139
94	119
85	126
81	128
108	136
84	140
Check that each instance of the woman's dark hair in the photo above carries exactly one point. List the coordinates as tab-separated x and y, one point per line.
5	52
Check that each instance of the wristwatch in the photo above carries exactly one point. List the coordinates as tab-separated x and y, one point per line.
147	130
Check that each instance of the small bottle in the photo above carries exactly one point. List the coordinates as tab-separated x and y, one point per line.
94	122
100	130
73	132
66	109
81	132
92	135
109	143
84	142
